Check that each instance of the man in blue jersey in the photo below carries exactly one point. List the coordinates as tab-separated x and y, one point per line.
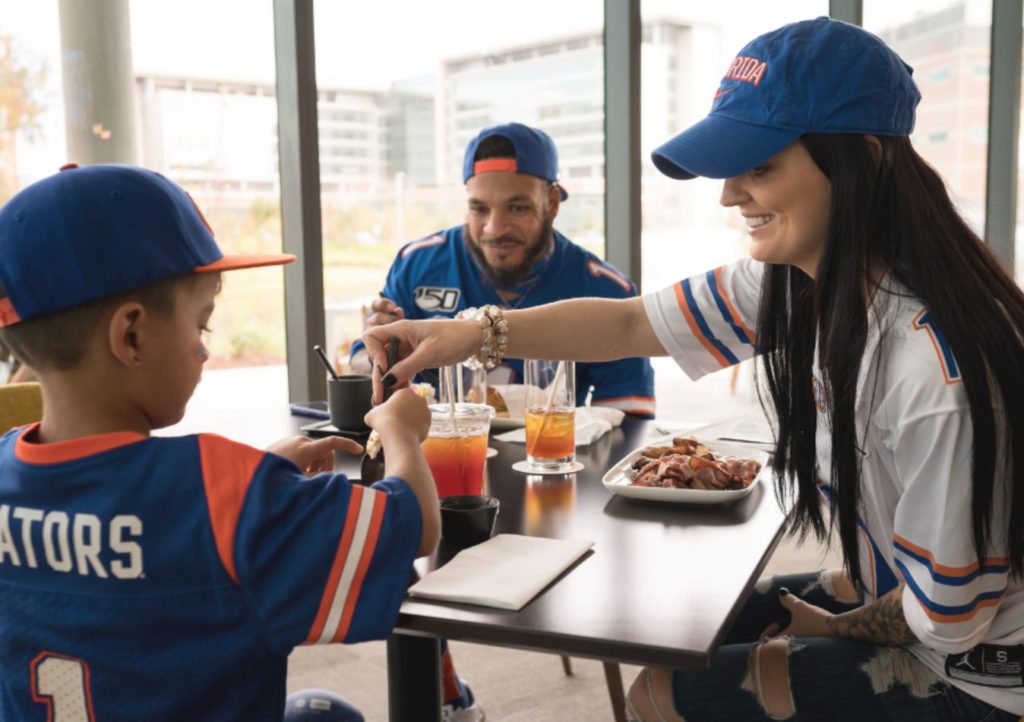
146	578
508	253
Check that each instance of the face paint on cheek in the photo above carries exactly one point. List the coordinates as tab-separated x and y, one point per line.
199	352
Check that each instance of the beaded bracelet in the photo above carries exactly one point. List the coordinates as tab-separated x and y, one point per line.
494	330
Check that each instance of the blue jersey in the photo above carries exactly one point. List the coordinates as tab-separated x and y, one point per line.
436	277
169	578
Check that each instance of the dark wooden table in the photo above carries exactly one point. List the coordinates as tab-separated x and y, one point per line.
660	587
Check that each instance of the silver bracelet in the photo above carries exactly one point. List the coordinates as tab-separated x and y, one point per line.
494	333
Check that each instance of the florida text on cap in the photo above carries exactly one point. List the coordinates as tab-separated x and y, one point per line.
814	76
97	231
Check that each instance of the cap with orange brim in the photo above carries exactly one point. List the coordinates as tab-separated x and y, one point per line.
91	232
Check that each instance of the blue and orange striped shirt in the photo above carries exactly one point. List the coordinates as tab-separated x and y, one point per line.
915	445
169	578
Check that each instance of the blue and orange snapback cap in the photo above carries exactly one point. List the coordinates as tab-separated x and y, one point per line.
536	154
814	76
95	231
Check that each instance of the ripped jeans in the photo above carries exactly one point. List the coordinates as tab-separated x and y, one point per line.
833	680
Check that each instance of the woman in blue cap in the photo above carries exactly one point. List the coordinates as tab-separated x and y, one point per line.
890	343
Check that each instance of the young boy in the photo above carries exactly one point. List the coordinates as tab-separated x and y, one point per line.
168	578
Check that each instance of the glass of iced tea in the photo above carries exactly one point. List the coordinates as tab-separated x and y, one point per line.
456	447
550	414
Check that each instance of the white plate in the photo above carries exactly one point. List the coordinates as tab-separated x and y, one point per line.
618	478
506	423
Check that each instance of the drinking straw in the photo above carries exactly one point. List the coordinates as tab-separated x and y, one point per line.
559	372
327	364
458	382
448	373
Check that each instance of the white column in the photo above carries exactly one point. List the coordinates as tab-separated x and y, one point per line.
99	86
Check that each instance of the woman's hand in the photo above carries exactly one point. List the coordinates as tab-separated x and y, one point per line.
421	345
806	620
313	455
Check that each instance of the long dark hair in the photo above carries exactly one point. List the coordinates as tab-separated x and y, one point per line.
891	214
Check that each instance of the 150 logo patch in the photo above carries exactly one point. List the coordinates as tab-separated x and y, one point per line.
431	298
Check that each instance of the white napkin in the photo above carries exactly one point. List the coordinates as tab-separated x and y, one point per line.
592	422
753	431
505	572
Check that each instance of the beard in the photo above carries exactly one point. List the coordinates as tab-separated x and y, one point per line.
512	277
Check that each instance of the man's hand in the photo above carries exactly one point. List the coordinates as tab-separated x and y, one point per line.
313	456
382	311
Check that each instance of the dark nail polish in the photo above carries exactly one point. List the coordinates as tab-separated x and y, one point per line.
388	381
783	591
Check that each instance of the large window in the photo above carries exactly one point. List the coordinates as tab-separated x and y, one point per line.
399	101
947	43
207	114
205	117
685	52
31	105
404	85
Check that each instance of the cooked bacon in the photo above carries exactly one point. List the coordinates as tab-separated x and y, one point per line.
656	452
648	478
688	464
685	444
743	468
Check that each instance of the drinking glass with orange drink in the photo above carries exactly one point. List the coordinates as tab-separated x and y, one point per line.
550	414
456	447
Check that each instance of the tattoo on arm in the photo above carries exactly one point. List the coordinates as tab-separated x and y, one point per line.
881	622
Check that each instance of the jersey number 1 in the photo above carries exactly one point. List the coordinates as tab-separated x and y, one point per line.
942	349
62	684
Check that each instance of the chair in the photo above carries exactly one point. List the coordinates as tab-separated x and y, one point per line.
20	404
613	677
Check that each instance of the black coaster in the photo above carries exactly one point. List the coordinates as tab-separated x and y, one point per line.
320	429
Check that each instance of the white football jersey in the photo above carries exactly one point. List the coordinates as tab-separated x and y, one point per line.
914	428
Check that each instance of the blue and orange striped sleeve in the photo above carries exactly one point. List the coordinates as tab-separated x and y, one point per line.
319	560
951	596
707	322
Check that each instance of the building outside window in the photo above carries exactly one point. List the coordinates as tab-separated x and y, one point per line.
397	108
945	43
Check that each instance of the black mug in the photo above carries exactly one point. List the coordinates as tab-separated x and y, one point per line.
467	519
349	399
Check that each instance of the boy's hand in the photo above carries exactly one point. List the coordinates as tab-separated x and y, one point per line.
402	423
382	311
405	412
313	455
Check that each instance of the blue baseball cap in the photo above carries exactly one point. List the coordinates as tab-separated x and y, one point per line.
814	76
100	230
536	154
